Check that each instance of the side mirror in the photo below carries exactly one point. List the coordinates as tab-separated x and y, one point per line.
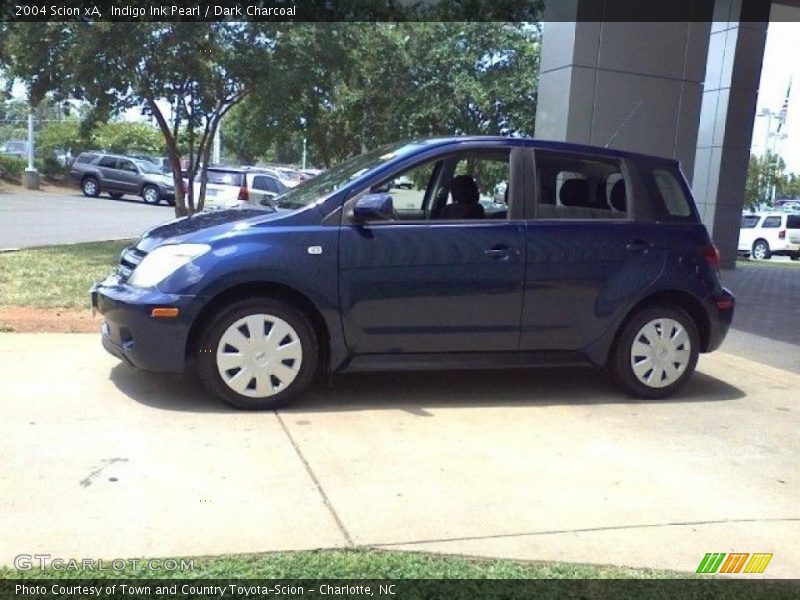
373	207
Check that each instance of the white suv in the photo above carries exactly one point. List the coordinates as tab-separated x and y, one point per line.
764	235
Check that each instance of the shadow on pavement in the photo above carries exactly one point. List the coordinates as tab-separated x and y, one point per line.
415	391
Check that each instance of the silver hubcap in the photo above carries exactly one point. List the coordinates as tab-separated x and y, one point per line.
259	356
660	353
90	187
151	195
760	251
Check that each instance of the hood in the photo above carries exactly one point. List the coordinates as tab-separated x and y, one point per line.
178	230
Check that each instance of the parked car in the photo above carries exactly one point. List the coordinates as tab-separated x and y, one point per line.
601	260
18	148
403	182
764	235
119	175
232	187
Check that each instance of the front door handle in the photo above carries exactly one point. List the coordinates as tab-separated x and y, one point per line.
500	252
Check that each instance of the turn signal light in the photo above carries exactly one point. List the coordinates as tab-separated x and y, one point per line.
164	313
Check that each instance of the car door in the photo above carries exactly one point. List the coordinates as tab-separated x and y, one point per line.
264	188
421	283
588	256
129	176
110	174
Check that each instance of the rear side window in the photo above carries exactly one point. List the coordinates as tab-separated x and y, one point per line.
793	221
85	157
268	184
771	223
672	194
224	178
573	186
749	221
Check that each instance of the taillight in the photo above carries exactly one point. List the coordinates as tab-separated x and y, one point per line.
782	234
711	254
243	195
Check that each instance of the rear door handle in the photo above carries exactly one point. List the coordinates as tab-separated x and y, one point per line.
638	246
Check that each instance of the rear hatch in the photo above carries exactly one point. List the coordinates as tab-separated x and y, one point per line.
222	187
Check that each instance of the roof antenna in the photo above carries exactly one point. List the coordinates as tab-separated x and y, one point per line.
624	122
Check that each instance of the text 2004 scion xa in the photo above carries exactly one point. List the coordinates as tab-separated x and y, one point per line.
503	252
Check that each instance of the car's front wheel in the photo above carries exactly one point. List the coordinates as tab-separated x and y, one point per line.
656	352
258	354
761	250
90	187
151	195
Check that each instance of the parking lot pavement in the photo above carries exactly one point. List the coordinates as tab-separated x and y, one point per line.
102	461
767	310
39	219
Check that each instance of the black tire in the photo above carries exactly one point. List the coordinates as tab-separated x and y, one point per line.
795	256
210	337
619	362
151	195
115	195
759	247
90	187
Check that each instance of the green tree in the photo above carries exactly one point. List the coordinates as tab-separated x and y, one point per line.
186	75
767	178
347	87
128	138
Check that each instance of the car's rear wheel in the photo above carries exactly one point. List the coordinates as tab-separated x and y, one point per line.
795	256
656	352
90	187
115	195
258	354
151	195
761	250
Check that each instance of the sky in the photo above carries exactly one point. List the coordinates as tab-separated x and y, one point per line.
781	62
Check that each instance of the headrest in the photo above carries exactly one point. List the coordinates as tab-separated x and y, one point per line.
574	192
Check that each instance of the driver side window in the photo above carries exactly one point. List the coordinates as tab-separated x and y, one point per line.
463	186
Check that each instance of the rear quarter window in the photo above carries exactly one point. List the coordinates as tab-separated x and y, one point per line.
749	221
672	194
85	157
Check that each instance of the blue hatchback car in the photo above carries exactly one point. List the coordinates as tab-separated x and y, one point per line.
503	252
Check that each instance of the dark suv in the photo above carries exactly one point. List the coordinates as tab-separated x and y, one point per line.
118	175
592	256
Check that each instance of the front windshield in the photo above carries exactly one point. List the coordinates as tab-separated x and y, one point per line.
148	167
335	178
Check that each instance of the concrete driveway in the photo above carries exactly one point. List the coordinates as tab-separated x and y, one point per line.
101	461
29	218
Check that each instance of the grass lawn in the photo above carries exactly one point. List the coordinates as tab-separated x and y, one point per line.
368	564
55	276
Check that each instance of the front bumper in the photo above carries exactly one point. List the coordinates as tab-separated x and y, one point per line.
131	334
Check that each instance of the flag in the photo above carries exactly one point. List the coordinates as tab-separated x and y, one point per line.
784	108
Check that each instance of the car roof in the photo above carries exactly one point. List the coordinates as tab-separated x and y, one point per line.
419	144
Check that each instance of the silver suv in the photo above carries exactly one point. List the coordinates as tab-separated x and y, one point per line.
119	175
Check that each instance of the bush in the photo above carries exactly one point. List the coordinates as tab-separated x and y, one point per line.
11	167
50	167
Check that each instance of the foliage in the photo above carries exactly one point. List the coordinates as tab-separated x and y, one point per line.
767	179
11	167
128	138
347	87
200	70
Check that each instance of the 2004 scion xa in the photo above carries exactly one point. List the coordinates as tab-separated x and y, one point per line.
586	255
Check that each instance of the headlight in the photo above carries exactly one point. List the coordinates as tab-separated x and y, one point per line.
163	262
